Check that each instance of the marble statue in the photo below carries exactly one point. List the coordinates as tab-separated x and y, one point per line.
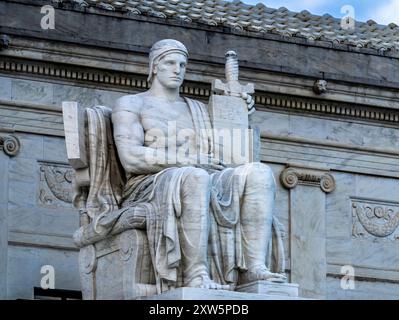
208	224
195	201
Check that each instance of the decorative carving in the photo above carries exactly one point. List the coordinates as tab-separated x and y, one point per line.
290	177
10	145
375	220
126	246
88	259
327	183
95	76
320	86
201	91
281	102
4	41
56	185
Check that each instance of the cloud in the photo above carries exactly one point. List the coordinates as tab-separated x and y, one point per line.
382	11
387	13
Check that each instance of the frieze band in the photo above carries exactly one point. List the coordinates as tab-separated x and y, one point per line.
199	90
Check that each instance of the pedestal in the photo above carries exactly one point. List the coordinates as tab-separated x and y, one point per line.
258	290
270	288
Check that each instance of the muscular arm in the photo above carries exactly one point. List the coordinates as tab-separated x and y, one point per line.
129	137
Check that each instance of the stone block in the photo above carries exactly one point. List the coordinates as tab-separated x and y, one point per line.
74	126
362	134
270	288
31	146
106	98
379	188
305	127
3	249
22	193
339	216
23	170
32	91
24	270
54	149
204	294
84	96
271	123
4	161
39	220
363	290
5	88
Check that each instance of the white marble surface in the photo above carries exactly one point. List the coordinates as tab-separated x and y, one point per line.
308	240
27	90
5	88
3	224
202	294
270	288
24	266
75	136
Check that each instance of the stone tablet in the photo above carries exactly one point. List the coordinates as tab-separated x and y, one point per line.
229	116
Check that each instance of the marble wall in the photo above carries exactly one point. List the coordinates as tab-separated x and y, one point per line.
36	215
359	220
39	217
49	93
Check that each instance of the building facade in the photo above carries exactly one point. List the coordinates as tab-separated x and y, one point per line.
327	100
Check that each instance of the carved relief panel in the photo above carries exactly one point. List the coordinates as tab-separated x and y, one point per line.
55	189
375	220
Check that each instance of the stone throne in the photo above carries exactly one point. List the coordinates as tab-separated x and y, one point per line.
114	261
114	258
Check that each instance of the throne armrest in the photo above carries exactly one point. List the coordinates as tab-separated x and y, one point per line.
99	177
75	120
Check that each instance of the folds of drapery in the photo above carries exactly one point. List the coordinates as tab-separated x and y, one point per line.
107	177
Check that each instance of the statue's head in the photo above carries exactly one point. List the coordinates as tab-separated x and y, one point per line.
168	59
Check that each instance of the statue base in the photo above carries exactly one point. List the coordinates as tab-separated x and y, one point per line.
270	288
258	290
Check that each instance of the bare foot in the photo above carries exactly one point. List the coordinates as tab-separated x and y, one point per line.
204	282
261	272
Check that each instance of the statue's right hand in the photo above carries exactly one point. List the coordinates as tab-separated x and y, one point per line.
218	167
217	164
210	163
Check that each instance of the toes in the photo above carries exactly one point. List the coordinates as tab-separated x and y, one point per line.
207	283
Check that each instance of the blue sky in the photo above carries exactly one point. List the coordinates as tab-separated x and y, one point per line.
381	11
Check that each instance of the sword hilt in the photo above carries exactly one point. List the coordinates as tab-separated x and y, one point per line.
231	66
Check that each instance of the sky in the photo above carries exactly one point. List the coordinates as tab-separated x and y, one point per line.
381	11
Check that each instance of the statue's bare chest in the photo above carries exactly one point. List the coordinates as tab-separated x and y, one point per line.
173	120
158	115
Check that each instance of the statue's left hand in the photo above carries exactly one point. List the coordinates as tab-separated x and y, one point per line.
249	101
